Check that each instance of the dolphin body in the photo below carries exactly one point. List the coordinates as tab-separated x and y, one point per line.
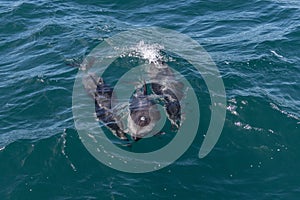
143	114
166	85
102	94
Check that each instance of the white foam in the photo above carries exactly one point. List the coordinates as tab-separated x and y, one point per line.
276	54
149	52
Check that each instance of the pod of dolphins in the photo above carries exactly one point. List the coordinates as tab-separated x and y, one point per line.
143	112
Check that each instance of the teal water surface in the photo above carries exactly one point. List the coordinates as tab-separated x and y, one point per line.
255	45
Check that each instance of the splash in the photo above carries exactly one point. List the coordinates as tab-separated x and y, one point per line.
149	52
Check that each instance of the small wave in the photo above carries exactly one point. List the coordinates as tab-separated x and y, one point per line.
275	107
276	54
241	110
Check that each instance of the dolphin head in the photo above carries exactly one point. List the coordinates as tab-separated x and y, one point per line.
143	114
141	117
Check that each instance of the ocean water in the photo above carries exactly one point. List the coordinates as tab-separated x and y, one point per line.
255	45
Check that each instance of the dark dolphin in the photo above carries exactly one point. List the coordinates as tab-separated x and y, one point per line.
166	85
143	114
102	94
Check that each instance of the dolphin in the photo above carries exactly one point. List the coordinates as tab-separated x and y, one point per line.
143	114
102	94
165	84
